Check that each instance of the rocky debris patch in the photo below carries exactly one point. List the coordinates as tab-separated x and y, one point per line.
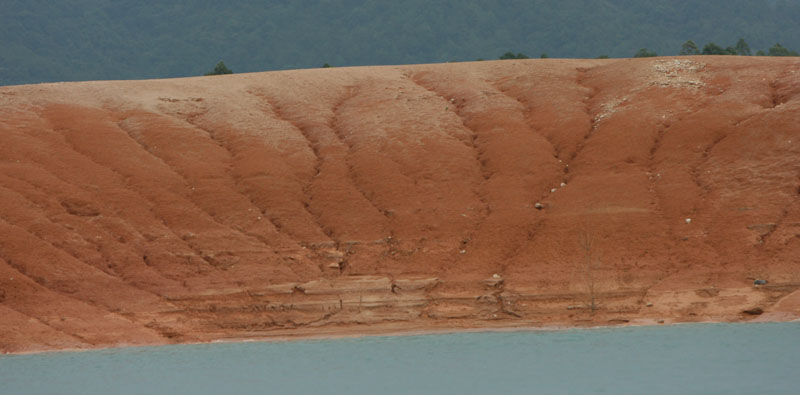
608	109
681	73
495	281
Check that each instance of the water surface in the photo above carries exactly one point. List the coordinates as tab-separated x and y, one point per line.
701	358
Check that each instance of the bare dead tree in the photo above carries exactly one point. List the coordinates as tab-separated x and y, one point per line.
590	257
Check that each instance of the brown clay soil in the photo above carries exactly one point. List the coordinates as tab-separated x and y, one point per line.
346	201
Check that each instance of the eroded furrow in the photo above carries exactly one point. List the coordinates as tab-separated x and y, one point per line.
275	221
74	217
335	127
580	80
314	145
529	114
200	180
513	188
331	197
46	229
61	330
124	181
478	153
77	280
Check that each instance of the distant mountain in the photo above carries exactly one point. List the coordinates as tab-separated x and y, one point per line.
45	40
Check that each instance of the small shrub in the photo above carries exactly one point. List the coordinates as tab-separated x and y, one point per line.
220	68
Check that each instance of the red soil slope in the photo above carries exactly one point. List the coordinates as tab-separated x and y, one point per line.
375	199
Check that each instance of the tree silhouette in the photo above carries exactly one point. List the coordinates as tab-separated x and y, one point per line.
689	48
780	50
590	259
742	48
714	49
220	68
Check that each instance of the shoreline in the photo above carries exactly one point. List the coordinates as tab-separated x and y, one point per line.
378	331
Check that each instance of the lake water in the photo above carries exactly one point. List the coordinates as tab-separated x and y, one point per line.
682	359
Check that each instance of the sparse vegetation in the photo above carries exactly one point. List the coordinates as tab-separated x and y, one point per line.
511	55
742	48
644	53
779	50
714	49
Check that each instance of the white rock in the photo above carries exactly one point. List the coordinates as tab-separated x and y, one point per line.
553	190
563	184
688	220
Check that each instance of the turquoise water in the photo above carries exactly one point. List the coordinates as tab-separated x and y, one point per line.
702	358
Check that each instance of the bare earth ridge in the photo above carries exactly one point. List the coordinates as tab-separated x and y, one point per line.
362	200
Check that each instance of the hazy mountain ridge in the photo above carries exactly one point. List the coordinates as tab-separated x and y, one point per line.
101	39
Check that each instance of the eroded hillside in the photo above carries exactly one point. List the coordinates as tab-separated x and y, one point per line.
375	199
